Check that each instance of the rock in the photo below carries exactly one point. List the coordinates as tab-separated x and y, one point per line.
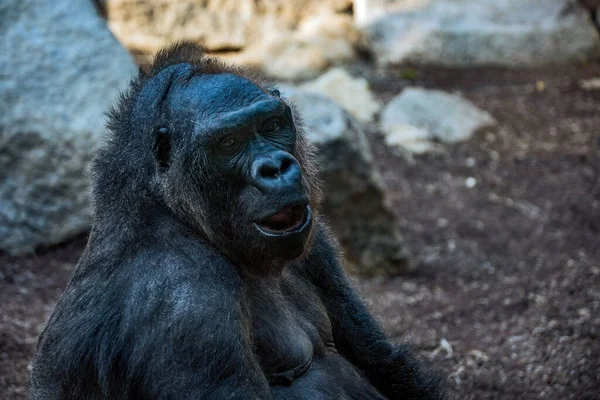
411	138
417	116
473	33
355	202
148	25
286	39
366	11
59	69
324	40
590	84
351	93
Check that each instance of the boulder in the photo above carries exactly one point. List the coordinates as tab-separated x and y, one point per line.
351	93
60	69
474	33
355	202
590	84
408	137
286	39
417	117
148	25
324	40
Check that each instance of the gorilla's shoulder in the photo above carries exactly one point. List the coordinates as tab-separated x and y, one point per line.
131	269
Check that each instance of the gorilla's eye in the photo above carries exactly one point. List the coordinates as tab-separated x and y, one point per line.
227	143
271	125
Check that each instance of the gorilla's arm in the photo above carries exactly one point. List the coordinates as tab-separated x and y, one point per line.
200	347
161	326
393	370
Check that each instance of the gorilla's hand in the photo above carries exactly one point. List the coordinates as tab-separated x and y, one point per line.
393	370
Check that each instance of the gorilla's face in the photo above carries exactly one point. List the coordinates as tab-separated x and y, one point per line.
225	152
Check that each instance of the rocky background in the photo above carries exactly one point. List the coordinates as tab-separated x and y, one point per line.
460	151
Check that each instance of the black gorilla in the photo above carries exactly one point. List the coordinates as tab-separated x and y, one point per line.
208	273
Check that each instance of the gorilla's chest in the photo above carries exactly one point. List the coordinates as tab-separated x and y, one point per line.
289	328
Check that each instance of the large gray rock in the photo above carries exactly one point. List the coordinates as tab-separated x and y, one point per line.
355	202
60	67
417	117
352	93
476	32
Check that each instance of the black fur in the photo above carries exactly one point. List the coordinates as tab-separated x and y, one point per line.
179	293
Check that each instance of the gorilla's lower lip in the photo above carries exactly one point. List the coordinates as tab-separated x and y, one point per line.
287	221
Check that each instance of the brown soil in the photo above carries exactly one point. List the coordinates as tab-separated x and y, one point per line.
506	296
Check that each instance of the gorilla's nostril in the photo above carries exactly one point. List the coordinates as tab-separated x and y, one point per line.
277	171
268	170
286	163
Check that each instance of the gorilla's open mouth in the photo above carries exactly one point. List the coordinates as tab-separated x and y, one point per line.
289	220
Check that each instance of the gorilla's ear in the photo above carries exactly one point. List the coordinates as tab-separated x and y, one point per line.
162	147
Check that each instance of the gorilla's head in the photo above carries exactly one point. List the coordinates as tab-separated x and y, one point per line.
222	153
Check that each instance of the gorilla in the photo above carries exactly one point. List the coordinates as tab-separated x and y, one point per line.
209	273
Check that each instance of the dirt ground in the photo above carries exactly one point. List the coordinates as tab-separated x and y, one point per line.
506	296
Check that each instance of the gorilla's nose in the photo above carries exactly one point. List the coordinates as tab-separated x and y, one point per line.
277	171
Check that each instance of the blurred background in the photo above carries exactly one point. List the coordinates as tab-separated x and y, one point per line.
460	150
